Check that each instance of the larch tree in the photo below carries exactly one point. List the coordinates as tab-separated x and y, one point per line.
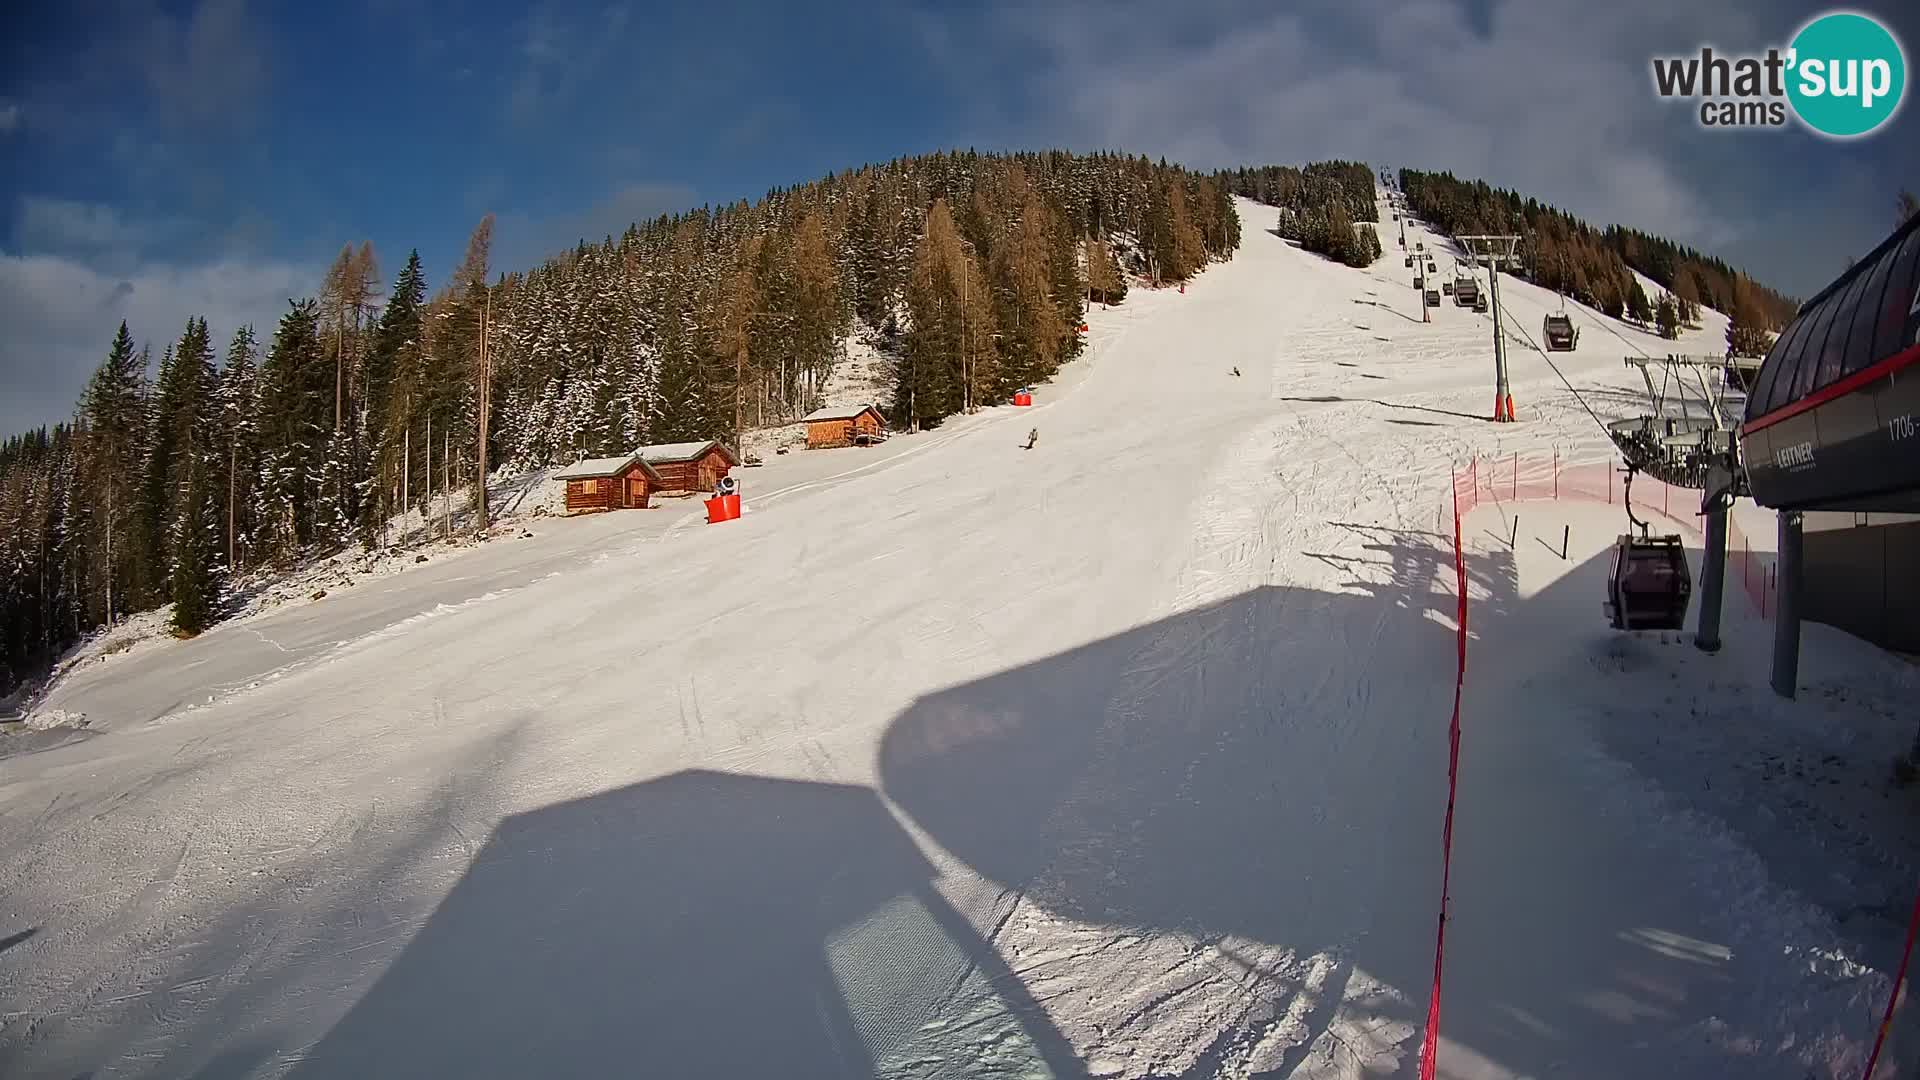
949	353
1106	284
458	339
1746	323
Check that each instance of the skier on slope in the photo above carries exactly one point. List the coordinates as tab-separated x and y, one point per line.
1032	437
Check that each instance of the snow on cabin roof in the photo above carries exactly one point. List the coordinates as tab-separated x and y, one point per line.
590	468
836	412
679	451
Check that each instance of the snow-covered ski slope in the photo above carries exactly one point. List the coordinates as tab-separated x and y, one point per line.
1119	757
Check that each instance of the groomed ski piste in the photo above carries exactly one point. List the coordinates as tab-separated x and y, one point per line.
1120	757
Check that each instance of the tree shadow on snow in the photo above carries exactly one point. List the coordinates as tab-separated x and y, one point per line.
1219	774
1216	774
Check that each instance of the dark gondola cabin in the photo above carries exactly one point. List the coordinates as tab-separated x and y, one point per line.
1648	584
613	483
1560	333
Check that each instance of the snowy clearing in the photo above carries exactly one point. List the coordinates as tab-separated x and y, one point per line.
1122	757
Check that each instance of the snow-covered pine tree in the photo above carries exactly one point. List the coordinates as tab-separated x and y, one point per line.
154	512
238	450
193	529
1666	316
1639	308
296	410
196	575
391	369
112	454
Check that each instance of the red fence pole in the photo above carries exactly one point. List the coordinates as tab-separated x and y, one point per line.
1430	1041
1899	976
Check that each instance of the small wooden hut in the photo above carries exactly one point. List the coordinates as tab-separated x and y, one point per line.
689	466
612	483
847	425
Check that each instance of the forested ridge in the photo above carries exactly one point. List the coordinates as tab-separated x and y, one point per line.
970	271
1593	265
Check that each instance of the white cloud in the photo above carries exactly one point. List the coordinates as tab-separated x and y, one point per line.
208	67
558	55
60	316
67	226
9	117
1413	84
1550	98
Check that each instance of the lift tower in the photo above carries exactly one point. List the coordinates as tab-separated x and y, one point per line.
1493	250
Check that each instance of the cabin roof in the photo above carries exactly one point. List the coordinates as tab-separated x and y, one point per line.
665	453
839	412
594	468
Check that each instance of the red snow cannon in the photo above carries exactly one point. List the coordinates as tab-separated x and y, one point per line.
722	508
1021	397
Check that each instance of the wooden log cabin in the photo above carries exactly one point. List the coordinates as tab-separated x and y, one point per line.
689	466
612	483
847	425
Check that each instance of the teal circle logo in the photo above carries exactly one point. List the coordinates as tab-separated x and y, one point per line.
1846	74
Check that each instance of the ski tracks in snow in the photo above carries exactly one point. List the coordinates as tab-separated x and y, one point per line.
1261	679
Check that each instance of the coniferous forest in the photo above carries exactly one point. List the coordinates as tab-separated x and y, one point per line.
1593	266
971	272
1328	206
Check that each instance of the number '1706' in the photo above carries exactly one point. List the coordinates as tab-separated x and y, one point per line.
1901	427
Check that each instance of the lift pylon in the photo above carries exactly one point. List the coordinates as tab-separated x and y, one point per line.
1492	250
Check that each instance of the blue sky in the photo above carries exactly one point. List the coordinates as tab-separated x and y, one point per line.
160	160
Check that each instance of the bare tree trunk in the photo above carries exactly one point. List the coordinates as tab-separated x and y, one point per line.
486	390
739	382
111	476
